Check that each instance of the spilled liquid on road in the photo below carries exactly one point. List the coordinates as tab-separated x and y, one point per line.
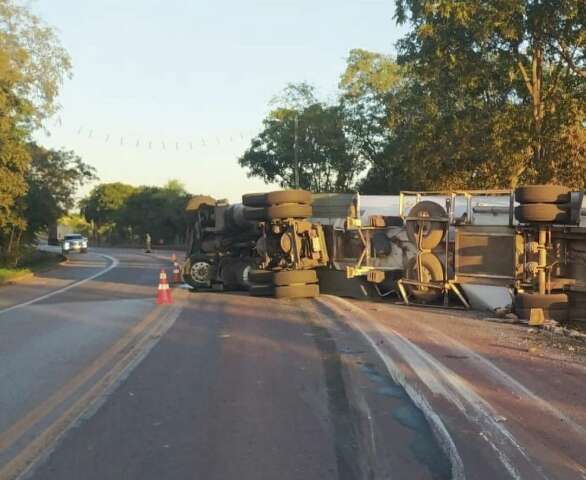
424	446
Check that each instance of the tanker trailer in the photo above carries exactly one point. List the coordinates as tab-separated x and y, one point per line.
220	245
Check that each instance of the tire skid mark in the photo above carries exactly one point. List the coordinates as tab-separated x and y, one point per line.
442	381
437	425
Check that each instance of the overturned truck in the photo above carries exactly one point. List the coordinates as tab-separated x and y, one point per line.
266	245
524	249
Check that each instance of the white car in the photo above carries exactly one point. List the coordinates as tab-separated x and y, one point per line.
74	242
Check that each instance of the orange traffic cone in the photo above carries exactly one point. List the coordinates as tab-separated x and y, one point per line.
163	292
176	273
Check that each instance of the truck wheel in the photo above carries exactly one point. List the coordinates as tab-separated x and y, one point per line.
555	306
543	213
254	200
197	273
432	271
261	291
289	196
297	291
289	210
255	214
293	277
264	277
542	194
433	232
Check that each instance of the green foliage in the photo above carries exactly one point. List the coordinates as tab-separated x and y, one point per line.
159	212
326	162
76	223
124	213
295	96
36	55
32	68
367	87
104	203
495	93
53	178
482	95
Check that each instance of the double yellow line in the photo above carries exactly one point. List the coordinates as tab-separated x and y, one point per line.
117	358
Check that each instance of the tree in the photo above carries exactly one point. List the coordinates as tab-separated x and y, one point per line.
126	213
32	68
103	206
53	179
105	201
317	131
367	86
38	58
295	96
496	92
157	211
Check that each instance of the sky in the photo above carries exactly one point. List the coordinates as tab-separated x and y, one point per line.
176	89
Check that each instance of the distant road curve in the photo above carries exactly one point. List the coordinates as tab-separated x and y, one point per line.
114	263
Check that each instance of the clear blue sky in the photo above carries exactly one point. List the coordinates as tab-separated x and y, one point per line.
181	71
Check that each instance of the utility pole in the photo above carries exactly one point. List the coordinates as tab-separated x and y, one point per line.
295	158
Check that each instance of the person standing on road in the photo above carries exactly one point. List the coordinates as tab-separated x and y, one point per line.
147	241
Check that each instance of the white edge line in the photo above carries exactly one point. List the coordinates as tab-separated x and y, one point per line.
475	401
114	264
437	425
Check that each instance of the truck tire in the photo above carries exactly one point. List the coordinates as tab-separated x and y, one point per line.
263	277
297	291
193	273
293	277
555	306
261	290
432	271
277	198
289	196
542	194
289	210
256	214
254	200
433	232
543	213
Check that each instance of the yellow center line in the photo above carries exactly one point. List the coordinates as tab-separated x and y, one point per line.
30	455
21	426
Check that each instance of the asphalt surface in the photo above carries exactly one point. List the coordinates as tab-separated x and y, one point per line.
99	383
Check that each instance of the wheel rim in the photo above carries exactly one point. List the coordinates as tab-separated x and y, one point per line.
200	272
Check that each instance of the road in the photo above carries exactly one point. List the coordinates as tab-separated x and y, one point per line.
98	382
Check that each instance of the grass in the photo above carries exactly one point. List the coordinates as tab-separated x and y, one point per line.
8	274
35	262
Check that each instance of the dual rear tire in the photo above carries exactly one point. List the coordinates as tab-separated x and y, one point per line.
278	205
284	284
543	204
